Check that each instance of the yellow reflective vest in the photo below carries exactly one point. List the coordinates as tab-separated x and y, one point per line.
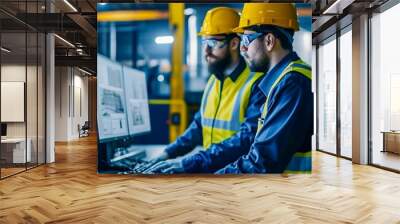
224	104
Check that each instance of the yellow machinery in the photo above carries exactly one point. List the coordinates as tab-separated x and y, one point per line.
177	105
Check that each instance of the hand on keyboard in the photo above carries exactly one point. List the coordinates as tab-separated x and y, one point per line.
129	165
157	157
135	165
166	167
143	166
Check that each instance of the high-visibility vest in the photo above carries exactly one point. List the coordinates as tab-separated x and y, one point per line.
223	106
301	160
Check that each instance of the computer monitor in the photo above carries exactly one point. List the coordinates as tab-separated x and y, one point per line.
111	104
122	112
3	130
136	101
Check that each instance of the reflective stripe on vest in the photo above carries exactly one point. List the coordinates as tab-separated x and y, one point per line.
222	115
301	161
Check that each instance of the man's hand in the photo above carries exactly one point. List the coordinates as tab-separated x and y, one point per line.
167	167
159	157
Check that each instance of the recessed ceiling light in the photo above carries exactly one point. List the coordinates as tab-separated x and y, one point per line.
65	41
70	5
5	50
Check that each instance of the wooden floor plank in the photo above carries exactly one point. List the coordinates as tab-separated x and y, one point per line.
71	191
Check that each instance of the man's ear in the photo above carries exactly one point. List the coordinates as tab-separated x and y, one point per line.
269	41
235	44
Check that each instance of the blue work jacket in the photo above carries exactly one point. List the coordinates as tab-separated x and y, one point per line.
288	126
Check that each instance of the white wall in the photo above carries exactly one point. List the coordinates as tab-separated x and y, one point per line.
33	126
62	81
71	87
79	117
12	73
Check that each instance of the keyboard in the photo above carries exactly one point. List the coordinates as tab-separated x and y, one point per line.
130	160
132	166
143	166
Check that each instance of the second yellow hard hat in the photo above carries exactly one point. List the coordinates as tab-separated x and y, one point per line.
277	14
219	21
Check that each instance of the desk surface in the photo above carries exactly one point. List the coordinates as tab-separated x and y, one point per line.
13	140
390	132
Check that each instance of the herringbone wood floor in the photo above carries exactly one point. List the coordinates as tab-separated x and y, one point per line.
70	191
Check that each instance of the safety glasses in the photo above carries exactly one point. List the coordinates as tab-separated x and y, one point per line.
214	43
248	38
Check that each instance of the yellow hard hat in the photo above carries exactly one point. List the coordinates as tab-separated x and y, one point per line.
277	14
220	20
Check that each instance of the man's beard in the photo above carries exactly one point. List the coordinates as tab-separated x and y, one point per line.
219	65
261	64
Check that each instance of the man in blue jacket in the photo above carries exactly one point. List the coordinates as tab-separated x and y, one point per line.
227	121
283	140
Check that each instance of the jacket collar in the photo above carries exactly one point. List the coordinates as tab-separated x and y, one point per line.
270	77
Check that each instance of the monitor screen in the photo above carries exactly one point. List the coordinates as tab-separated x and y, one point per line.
111	104
136	101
